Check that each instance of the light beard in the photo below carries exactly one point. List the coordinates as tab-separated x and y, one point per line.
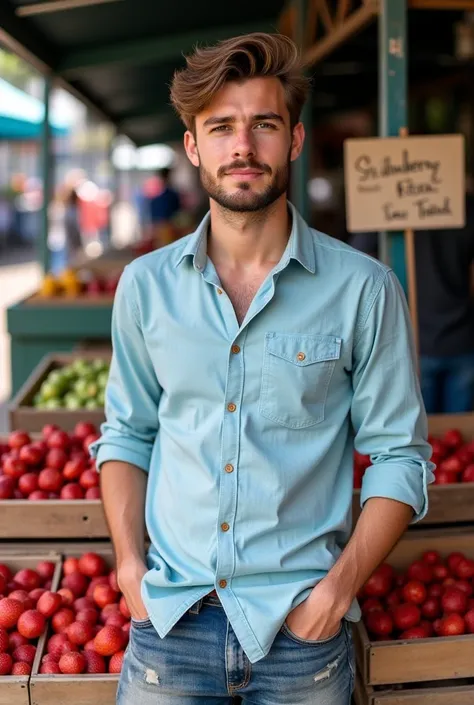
245	200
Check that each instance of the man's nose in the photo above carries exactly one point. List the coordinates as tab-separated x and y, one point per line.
244	146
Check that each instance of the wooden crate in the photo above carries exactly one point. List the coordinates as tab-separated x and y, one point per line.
436	695
417	661
14	689
22	415
84	689
448	504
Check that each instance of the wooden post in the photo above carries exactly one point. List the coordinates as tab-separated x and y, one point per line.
46	166
301	168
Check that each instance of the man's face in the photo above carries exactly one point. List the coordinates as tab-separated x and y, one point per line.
244	145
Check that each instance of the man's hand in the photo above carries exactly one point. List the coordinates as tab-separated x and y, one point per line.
129	577
319	616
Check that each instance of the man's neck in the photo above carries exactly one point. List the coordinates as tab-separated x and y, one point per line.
248	240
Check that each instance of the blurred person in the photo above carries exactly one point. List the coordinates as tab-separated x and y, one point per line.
245	358
444	275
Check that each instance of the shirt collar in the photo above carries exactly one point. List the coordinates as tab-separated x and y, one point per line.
300	244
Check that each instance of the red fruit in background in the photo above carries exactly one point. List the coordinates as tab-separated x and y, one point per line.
71	565
431	557
74	469
116	662
452	438
7	487
21	668
28	483
88	614
45	569
56	459
108	641
431	609
27	579
31	624
79	633
465	587
83	603
89	479
454	601
428	627
90	647
31	455
113	582
94	662
104	595
58	439
58	645
89	440
440	572
445	478
464	569
25	653
468	474
126	631
48	429
72	491
451	465
50	668
380	623
62	619
17	494
435	590
77	583
83	429
92	565
6	664
378	585
420	571
3	585
49	603
452	625
4	640
415	591
14	468
23	597
72	662
38	495
36	594
17	439
406	616
118	620
67	596
101	580
109	610
16	640
414	633
438	447
453	559
10	612
50	480
469	620
93	493
126	612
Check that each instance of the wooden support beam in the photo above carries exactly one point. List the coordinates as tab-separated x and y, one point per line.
355	22
162	48
311	24
325	15
343	8
42	8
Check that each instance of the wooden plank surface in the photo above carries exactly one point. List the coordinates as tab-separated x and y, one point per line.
74	690
52	519
442	695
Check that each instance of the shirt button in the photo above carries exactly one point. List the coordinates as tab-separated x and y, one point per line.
301	356
235	349
229	468
219	291
231	407
222	583
225	526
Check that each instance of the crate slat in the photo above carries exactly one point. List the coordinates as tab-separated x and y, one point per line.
52	519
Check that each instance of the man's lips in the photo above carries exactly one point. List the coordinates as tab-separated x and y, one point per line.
245	173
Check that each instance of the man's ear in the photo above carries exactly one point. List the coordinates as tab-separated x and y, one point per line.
191	148
297	141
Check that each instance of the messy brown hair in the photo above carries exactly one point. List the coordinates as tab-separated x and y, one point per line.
243	57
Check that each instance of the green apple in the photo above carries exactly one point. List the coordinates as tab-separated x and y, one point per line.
102	380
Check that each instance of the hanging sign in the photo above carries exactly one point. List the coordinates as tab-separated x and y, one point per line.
404	182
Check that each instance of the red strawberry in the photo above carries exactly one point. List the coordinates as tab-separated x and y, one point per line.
115	663
10	611
92	565
49	603
72	662
31	624
95	662
6	664
21	668
25	653
4	641
27	579
108	641
79	633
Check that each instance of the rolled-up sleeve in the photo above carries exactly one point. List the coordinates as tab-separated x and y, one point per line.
133	392
388	414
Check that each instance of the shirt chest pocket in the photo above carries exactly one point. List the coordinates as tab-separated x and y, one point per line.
297	370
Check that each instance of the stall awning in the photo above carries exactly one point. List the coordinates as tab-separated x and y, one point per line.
21	115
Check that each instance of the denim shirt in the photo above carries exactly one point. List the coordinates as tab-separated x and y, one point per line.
247	431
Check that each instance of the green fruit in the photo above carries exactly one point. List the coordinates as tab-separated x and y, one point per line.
48	391
52	404
92	390
102	380
100	365
101	398
71	401
91	404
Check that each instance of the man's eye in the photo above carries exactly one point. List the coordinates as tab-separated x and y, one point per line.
265	125
220	128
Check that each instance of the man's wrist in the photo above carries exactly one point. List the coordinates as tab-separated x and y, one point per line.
337	598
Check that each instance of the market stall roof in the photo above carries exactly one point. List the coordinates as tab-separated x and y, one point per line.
119	55
21	115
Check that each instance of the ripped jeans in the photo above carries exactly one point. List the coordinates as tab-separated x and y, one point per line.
200	662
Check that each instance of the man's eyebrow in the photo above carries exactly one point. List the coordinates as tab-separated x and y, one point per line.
216	120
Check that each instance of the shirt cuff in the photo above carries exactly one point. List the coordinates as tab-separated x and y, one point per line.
400	481
104	451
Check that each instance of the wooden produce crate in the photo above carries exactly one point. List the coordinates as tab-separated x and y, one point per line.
83	689
14	689
448	504
23	415
419	660
429	694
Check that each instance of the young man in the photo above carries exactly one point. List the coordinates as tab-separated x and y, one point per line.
247	358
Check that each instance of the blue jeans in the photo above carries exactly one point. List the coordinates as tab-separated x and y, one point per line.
447	384
200	662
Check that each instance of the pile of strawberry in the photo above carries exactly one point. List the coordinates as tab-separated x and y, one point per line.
432	598
21	621
88	615
453	457
57	466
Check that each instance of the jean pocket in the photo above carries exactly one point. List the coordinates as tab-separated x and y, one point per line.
141	623
297	371
311	642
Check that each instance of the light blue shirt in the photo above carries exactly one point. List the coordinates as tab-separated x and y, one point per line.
247	432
